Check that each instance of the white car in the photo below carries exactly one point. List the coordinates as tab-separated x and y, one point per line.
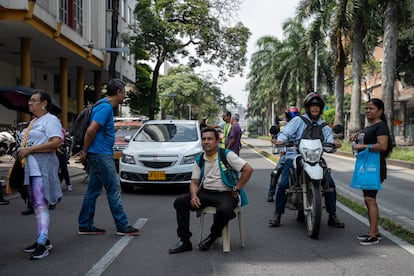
162	152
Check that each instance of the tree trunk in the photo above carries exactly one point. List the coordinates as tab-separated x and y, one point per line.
357	56
389	62
339	90
113	42
114	37
153	96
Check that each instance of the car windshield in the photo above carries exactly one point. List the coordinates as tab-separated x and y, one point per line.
122	131
167	133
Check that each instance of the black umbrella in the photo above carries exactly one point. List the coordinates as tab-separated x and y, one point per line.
17	98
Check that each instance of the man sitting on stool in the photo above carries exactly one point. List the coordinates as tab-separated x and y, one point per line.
214	190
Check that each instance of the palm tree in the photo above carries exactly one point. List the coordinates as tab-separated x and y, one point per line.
365	33
330	19
262	83
389	60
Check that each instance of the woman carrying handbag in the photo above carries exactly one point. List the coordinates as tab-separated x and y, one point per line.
38	158
374	138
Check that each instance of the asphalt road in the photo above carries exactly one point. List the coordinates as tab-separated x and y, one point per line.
286	250
395	200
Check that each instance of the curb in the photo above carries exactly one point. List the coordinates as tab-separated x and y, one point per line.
393	162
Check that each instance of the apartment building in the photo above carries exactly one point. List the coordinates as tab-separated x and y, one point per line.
60	46
403	111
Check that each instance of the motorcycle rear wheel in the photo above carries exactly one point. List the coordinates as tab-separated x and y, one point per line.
314	209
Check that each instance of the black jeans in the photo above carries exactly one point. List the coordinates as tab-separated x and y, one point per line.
223	201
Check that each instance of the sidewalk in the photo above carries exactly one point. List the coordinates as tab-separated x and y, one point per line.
6	162
266	148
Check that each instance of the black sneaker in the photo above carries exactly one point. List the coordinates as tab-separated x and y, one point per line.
91	231
28	211
365	236
370	241
130	231
275	220
270	198
39	253
335	222
4	201
32	248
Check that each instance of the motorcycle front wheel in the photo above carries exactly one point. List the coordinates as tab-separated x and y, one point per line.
313	209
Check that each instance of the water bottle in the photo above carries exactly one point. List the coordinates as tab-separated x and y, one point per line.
354	151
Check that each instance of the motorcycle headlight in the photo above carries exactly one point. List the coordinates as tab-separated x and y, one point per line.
311	155
189	159
129	159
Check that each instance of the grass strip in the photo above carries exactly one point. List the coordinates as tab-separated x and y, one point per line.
392	227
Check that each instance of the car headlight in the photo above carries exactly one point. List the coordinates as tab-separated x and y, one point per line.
311	155
129	159
189	159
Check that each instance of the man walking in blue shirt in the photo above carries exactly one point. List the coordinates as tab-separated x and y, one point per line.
98	150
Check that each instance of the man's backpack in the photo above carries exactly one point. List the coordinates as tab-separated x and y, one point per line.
313	130
81	124
223	158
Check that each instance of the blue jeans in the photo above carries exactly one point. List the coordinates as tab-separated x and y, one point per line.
278	168
330	197
102	173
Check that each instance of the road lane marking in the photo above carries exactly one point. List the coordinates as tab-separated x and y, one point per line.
111	255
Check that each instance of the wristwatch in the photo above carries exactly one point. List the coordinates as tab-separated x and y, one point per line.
235	189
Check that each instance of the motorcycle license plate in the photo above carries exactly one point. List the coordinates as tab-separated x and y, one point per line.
160	175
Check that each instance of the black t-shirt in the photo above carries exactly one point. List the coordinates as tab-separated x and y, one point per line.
369	136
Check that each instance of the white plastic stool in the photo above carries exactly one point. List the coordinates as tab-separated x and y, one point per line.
226	229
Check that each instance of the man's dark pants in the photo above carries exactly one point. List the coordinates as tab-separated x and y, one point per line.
223	201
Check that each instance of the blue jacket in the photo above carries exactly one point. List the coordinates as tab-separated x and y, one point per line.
228	175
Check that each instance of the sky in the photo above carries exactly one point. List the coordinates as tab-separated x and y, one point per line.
262	17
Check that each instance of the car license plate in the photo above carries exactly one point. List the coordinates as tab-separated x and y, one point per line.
156	175
117	154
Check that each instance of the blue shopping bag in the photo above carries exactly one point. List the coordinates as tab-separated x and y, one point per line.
367	171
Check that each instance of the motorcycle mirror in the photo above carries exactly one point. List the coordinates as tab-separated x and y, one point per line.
338	129
274	130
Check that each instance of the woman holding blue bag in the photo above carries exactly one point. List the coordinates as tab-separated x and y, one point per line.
373	144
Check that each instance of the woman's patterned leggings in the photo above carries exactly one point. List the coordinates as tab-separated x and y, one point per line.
35	191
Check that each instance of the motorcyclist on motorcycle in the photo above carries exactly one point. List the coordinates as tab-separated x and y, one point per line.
314	105
290	113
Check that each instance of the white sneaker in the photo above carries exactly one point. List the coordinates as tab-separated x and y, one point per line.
69	188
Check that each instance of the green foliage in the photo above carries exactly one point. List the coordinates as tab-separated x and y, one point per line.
329	115
190	89
405	50
167	29
138	100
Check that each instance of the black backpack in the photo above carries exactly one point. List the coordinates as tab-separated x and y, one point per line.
81	124
313	130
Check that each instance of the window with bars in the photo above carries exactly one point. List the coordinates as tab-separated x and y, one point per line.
71	14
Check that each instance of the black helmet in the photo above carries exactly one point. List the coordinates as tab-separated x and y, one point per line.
314	98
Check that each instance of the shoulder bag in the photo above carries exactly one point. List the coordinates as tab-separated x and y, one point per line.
367	171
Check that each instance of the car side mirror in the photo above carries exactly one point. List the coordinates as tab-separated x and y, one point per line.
127	138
